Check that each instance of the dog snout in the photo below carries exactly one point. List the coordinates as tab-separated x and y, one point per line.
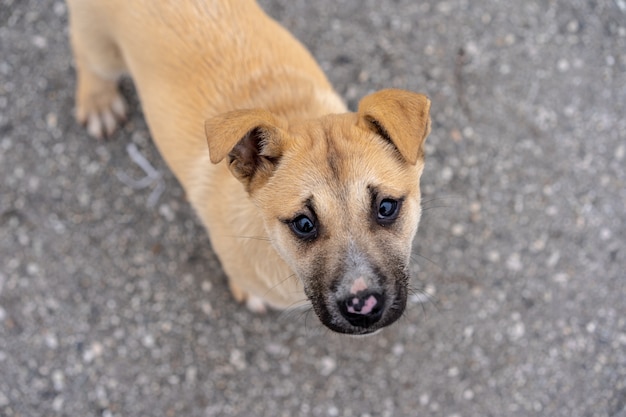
363	309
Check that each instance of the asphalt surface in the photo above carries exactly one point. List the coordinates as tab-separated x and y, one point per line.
110	306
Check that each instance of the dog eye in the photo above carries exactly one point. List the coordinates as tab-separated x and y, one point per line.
387	211
304	227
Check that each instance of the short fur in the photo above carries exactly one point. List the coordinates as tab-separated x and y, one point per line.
281	144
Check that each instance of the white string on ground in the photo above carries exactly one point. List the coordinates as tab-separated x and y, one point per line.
152	178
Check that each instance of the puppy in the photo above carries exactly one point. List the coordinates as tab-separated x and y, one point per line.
302	199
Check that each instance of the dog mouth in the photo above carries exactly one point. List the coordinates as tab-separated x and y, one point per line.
362	313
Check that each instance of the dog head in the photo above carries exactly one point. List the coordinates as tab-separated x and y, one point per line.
339	197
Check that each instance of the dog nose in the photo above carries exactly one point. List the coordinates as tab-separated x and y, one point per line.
362	309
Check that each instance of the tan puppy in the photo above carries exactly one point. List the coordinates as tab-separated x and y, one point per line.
299	196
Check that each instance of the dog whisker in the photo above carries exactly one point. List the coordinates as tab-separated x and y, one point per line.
279	283
297	310
294	306
425	209
421	296
426	259
302	314
297	307
307	328
444	198
436	203
261	238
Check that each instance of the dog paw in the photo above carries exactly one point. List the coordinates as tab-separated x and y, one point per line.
101	113
256	304
253	303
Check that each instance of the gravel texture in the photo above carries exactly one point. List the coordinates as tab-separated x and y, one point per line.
110	306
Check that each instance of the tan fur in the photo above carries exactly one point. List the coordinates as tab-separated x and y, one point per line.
279	140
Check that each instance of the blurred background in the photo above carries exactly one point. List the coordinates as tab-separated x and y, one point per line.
110	306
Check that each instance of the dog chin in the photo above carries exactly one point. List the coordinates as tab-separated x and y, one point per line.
348	329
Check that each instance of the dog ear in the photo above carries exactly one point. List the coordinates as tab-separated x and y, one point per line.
399	116
251	139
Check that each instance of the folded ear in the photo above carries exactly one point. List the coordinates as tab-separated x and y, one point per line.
252	139
399	116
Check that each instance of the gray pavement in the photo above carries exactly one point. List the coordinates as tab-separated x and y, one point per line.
111	307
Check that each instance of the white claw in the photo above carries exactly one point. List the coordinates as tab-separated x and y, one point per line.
94	126
119	107
101	114
109	122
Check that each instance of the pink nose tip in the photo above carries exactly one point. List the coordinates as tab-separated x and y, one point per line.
359	284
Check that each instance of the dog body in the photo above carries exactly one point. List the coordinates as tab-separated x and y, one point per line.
299	196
